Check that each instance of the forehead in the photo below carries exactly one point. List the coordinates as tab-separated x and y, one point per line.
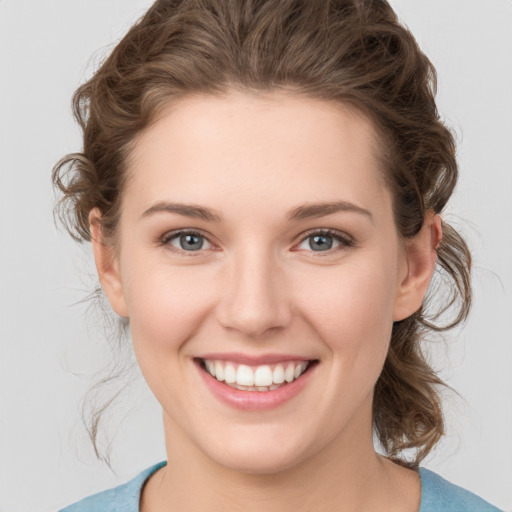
291	147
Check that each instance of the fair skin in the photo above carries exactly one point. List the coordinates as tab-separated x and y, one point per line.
251	272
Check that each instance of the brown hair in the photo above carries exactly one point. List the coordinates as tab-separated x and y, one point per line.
351	51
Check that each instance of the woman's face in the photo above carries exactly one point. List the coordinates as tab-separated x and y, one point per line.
257	243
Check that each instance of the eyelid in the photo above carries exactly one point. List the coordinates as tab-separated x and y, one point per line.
343	238
170	235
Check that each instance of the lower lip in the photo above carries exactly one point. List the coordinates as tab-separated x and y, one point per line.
255	400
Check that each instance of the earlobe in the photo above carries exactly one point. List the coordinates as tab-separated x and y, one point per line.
107	265
421	256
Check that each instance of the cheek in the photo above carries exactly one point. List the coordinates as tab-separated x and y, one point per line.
166	305
352	310
360	295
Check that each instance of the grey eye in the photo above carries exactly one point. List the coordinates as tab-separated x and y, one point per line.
320	242
324	241
189	242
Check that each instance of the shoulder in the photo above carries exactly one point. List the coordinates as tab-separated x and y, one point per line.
439	495
123	498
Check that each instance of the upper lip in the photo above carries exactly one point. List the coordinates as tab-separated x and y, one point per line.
253	360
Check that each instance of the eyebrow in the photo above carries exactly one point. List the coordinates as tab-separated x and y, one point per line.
306	211
187	210
309	211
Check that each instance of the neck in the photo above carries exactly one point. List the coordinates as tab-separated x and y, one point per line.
346	475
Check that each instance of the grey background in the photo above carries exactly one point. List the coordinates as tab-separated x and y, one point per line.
48	346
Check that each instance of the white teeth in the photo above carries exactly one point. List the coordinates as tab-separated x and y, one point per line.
278	375
211	367
263	376
260	378
219	371
230	374
289	373
245	376
299	370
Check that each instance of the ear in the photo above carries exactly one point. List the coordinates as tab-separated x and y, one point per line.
107	264
421	256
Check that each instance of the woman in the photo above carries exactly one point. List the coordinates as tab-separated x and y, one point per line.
262	185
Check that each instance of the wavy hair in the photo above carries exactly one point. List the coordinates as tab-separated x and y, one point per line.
350	51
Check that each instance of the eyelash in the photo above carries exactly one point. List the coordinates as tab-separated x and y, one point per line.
343	239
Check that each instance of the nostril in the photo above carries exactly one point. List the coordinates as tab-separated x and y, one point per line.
254	320
254	300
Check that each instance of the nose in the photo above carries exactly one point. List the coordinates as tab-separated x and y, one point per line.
255	298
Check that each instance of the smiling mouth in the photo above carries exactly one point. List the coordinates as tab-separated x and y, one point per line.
262	378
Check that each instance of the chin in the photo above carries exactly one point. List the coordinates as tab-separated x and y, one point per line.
257	463
259	455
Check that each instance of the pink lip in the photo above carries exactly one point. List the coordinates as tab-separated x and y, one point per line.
253	360
255	400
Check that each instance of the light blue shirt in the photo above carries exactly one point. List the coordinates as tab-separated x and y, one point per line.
437	495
